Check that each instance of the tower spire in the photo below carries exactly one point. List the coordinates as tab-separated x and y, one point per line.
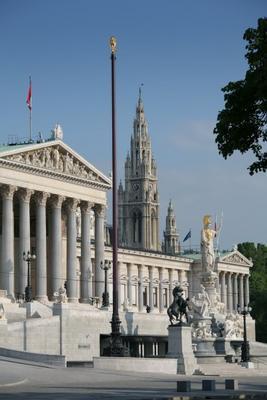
139	204
140	93
171	236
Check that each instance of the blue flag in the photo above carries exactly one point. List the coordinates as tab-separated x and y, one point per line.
188	236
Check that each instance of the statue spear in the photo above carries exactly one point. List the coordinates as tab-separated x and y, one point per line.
219	232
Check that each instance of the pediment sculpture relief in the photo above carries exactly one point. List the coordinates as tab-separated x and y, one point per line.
235	259
53	158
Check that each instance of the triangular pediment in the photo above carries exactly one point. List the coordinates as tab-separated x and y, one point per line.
235	257
55	157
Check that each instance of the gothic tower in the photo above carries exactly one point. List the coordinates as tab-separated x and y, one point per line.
171	237
139	200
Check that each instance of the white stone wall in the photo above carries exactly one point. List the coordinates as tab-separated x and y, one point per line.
37	335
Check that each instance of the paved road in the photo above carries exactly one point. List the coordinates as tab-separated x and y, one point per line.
25	381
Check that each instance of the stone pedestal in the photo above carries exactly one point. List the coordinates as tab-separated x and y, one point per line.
180	347
209	282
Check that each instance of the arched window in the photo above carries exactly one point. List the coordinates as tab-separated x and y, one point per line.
143	154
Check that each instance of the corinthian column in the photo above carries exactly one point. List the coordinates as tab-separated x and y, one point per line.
151	300
119	269
235	292
72	251
41	256
129	283
246	290
170	285
241	291
161	306
86	265
229	292
56	244
24	236
99	249
140	288
7	253
223	288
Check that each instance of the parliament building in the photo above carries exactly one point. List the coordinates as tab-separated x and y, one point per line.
53	204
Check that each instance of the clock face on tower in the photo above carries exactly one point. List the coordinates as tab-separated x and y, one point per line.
135	187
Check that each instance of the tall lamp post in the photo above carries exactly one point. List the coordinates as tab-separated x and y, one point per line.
245	356
116	346
105	266
28	290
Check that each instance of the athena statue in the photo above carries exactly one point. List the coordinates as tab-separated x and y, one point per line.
207	249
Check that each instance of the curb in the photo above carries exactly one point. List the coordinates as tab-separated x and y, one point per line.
14	383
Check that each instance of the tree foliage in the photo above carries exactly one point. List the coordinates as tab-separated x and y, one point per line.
242	124
258	285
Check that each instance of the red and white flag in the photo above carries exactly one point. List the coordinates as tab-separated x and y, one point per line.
29	97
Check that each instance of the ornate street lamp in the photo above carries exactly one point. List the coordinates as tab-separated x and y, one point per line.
116	346
245	356
105	296
28	290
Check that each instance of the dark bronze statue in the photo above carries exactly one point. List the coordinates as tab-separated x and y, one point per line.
178	309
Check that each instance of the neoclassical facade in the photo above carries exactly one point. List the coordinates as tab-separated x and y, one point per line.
42	187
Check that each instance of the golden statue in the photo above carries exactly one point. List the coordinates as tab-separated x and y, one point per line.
207	249
113	44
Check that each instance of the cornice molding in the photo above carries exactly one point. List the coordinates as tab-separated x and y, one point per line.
33	170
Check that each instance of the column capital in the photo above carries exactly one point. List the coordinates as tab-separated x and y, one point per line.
57	200
8	191
99	210
86	206
41	198
25	194
71	204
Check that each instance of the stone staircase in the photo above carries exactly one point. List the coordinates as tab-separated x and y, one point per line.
230	370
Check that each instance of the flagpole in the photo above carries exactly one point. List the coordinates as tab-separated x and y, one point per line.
216	235
219	233
190	241
29	104
30	82
30	125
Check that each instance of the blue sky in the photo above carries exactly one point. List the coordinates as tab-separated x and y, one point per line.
183	51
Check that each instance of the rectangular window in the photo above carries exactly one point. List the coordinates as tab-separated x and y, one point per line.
145	296
155	296
134	293
165	297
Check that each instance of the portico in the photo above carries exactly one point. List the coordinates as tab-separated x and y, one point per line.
42	186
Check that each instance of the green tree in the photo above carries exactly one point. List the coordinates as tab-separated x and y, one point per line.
242	124
258	285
